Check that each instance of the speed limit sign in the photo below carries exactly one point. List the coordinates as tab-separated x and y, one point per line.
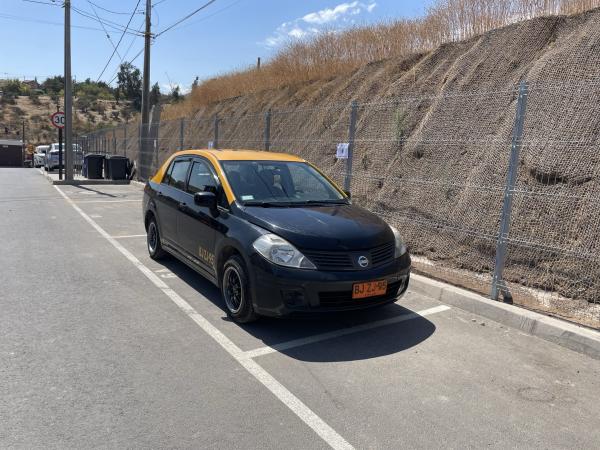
58	119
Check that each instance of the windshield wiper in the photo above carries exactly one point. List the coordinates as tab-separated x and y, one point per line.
267	204
325	202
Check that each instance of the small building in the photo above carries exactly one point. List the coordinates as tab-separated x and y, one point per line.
11	153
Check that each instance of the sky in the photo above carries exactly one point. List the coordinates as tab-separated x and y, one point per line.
226	35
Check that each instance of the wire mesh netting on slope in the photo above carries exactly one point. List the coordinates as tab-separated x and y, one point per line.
433	143
436	168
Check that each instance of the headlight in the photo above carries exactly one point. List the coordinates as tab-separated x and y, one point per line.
400	246
281	252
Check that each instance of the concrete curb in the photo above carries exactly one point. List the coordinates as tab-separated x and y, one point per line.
579	339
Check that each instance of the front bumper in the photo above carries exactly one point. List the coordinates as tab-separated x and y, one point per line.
279	291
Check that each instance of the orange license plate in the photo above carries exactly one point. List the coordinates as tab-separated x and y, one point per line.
369	289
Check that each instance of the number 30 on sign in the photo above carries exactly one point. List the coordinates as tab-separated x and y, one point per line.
58	119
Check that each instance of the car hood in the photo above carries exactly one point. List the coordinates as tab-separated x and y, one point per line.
331	227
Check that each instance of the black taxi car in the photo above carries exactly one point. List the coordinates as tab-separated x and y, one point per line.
273	233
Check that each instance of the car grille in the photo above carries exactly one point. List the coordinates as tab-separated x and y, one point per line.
343	299
330	260
326	260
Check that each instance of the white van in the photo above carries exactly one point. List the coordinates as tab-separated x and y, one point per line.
52	157
39	157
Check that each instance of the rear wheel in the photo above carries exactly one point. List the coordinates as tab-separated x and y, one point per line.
153	240
235	289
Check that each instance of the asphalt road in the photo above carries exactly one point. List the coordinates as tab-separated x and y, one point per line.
102	347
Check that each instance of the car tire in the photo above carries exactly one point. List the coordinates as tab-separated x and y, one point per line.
236	292
155	249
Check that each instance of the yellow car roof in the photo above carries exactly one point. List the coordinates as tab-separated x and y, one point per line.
242	155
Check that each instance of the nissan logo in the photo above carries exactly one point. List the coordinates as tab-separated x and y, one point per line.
363	261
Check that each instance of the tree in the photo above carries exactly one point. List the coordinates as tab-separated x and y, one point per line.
54	85
155	95
129	83
176	95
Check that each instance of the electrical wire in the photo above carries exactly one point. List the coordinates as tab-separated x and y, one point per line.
108	23
120	39
115	73
53	3
45	22
100	22
110	11
218	11
130	62
170	27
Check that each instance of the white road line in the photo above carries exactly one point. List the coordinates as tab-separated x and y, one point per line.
318	425
343	332
129	236
139	200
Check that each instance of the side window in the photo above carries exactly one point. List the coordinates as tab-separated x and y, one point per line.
201	177
178	174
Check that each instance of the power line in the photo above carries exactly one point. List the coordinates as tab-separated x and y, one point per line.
45	3
108	23
114	76
121	38
112	12
218	11
100	22
130	61
210	2
45	22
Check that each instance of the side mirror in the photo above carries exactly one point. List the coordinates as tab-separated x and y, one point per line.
208	199
348	194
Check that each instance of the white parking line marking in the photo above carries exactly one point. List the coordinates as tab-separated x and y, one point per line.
343	332
129	236
318	425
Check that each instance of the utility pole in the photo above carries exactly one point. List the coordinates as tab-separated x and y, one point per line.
145	90
68	96
24	145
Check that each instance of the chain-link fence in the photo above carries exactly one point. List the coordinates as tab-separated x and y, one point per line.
494	191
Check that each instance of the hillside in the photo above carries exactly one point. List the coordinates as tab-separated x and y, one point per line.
433	143
36	111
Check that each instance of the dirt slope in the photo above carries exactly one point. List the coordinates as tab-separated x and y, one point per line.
432	151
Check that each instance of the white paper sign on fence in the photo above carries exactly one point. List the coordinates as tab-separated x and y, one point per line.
342	150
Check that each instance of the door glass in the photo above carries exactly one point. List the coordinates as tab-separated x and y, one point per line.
201	177
178	174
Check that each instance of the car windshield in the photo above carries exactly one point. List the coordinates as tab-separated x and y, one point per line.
279	183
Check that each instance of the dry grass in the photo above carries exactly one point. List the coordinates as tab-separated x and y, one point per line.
330	54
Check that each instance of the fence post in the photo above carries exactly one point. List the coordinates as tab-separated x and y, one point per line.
351	133
511	179
125	139
216	137
268	130
114	141
140	152
181	132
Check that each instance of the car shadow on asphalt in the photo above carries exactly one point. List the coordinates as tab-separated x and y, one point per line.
378	341
97	191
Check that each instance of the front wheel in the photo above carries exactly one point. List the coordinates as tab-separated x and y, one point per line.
235	289
155	249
